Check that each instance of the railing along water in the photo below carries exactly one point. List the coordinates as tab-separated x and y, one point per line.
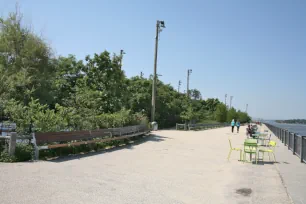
295	142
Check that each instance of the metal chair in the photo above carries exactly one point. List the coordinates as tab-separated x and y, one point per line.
271	149
232	148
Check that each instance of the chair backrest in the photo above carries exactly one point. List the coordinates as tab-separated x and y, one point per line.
250	145
272	143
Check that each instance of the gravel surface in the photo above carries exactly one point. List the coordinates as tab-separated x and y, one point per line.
167	167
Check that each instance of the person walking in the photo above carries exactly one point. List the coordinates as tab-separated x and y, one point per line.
233	125
238	125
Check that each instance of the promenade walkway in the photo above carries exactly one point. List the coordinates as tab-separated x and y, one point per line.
169	167
293	172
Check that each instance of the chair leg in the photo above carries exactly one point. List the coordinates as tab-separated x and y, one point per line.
269	156
274	156
240	154
229	155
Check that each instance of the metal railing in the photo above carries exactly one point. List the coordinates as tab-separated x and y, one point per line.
295	142
200	126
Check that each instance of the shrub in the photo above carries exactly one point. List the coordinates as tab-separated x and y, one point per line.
5	157
24	152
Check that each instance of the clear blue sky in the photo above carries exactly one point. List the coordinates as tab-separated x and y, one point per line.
253	50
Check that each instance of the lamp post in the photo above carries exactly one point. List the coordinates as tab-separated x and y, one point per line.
179	85
121	57
189	71
231	98
159	26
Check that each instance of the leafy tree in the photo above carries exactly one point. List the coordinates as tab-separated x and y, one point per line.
212	103
243	117
64	93
195	94
232	114
25	66
221	113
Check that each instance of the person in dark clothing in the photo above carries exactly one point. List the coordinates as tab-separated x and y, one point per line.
238	125
233	125
249	131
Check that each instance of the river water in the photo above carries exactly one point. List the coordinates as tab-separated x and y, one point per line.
296	128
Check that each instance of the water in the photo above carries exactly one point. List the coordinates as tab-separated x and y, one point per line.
296	128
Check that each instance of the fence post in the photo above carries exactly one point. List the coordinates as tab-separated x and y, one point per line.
12	144
289	140
302	148
286	137
293	147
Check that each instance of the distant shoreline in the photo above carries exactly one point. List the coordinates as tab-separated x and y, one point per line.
293	121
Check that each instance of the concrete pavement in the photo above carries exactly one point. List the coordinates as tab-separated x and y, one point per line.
292	171
167	167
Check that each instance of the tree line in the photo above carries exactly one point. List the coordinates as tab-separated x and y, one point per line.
52	93
293	121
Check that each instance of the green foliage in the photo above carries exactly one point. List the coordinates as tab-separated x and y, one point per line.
25	68
63	93
23	152
221	113
232	114
5	157
243	117
66	118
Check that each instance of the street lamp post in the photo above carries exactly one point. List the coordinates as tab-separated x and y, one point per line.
189	71
231	98
159	26
121	57
179	85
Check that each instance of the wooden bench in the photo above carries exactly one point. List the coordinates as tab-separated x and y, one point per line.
51	140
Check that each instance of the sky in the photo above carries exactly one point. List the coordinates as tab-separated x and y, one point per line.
254	51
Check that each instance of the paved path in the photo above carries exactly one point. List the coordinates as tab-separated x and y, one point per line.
171	167
293	172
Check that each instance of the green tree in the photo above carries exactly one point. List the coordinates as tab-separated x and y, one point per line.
221	113
25	67
212	104
232	114
195	94
243	117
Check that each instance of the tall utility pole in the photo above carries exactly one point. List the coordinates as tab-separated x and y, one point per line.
225	99
189	71
246	108
159	26
121	57
231	98
179	85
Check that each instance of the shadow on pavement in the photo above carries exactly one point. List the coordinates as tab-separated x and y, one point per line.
130	146
264	162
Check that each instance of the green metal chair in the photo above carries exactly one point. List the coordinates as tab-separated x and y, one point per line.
269	150
250	148
232	148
